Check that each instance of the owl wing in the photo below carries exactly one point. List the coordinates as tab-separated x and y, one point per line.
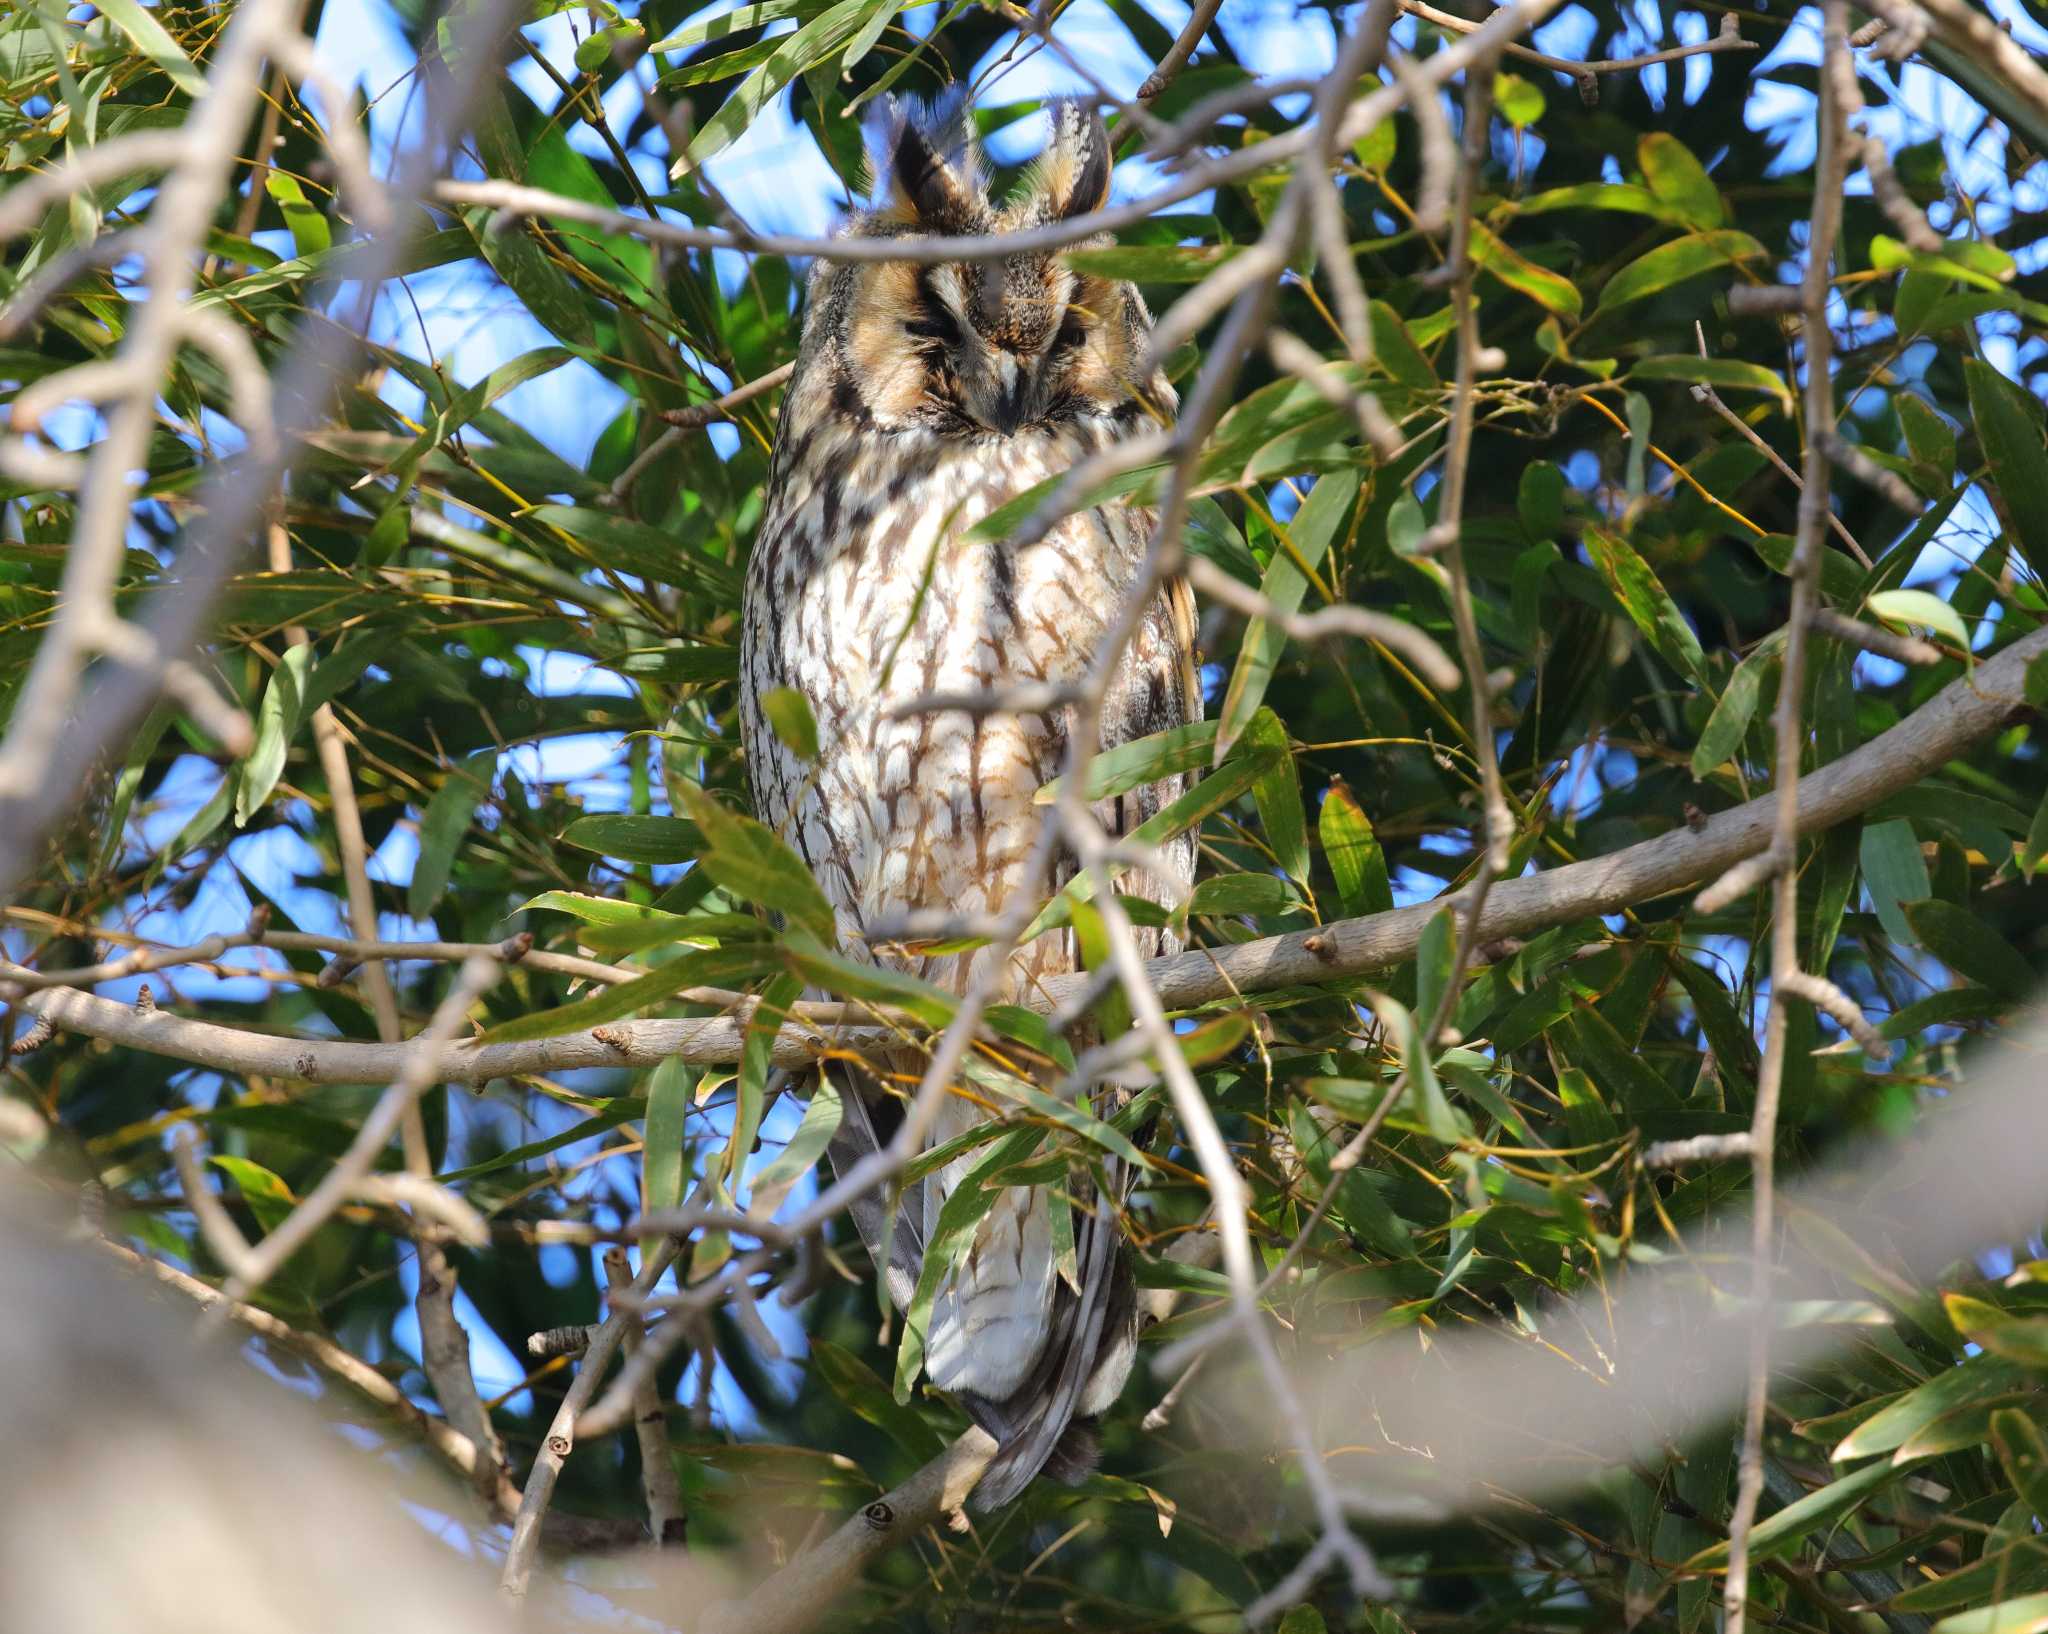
1082	1372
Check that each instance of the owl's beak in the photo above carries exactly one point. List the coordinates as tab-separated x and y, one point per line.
1012	385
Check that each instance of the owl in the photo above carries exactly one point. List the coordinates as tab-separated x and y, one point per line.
924	396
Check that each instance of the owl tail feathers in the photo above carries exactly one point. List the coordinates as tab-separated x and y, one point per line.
1027	1446
1048	1425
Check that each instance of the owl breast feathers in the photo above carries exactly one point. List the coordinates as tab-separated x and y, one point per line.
923	398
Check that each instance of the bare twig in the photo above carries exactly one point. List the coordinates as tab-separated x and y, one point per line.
421	1056
1712	399
1728	39
561	1436
1382	628
1901	649
1830	169
666	1520
1184	44
720	408
1497	824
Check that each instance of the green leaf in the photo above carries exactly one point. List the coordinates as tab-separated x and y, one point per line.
1997	1574
757	1053
608	913
1154	263
1818	1511
1315	526
1539	500
1919	607
1229	894
1356	861
1963	941
1521	105
857	979
1894	872
2009	429
1721	738
1930	439
1648	604
2017	1338
737	21
1638	407
1144	760
443	825
867	1397
616	1111
1970	1381
1395	351
1726	372
959	1216
1076	1119
636	839
800	1153
671	1088
277	723
1439	1117
465	405
309	229
1949	1007
1674	263
2023	1454
1680	180
332	676
627	546
1552	291
268	1197
595	52
1375	149
703	967
822	37
2026	1615
1433	960
1615	1066
2035	846
789	716
141	26
549	296
1619	196
749	860
1278	793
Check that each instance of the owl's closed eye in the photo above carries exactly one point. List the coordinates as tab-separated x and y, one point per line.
988	347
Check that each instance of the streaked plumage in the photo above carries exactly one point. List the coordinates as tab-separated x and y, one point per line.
923	398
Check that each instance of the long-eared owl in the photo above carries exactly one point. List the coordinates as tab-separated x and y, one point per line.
925	396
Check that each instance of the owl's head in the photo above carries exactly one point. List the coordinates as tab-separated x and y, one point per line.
974	348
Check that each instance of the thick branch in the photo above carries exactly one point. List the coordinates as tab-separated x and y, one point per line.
1969	709
812	1586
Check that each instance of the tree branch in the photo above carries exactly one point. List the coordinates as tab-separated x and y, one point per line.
1967	710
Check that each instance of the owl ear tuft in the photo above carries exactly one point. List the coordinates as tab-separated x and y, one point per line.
929	170
1077	165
